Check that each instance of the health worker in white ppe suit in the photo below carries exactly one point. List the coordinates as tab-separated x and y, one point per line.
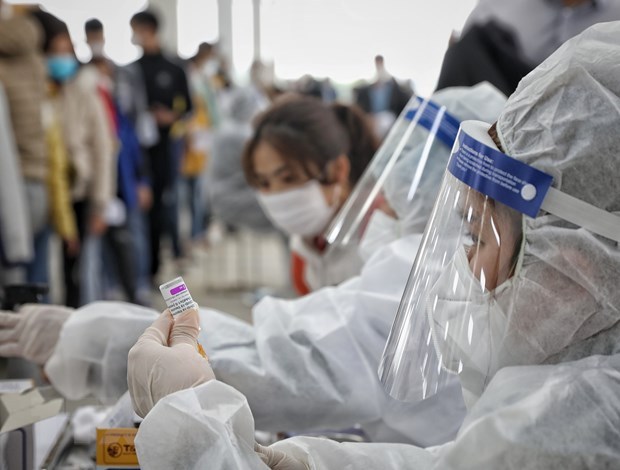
307	364
303	159
516	294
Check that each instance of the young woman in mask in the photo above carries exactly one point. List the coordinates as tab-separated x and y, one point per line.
87	138
304	159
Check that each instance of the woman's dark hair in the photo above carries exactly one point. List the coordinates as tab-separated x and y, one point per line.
51	26
312	133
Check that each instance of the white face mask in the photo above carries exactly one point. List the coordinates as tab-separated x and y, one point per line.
467	324
302	211
97	49
381	230
136	40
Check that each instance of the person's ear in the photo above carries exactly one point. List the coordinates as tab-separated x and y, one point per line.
340	170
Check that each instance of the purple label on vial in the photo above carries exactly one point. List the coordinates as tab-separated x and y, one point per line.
178	289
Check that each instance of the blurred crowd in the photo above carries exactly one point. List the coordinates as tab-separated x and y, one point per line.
122	162
105	157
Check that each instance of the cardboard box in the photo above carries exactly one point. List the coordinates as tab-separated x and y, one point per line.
26	407
116	449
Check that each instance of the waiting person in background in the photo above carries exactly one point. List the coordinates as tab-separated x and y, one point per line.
22	75
202	68
232	199
503	40
124	240
15	235
88	141
200	128
383	99
120	247
59	209
169	101
328	92
63	217
261	82
122	90
95	38
309	86
304	159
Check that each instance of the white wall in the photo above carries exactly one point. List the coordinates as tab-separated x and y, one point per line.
339	38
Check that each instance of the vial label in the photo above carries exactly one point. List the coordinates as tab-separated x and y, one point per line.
177	296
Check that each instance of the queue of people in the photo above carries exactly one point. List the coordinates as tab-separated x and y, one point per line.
102	150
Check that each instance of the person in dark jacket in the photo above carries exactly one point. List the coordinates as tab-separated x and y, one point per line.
384	98
169	101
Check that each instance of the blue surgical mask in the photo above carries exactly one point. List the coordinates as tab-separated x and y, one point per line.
62	67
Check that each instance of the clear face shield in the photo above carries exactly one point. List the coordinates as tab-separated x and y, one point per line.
459	302
409	148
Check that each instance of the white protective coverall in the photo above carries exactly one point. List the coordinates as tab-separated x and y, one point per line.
561	411
307	364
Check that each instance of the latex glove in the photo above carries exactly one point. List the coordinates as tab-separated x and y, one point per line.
33	332
278	460
165	359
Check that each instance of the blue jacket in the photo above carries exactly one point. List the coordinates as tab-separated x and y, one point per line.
130	163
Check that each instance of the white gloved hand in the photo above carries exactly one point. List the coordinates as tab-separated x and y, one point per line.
165	359
278	460
33	332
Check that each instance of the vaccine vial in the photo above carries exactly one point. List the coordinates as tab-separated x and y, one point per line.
178	300
177	296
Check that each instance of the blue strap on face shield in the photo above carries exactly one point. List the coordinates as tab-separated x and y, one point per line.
519	185
448	128
497	175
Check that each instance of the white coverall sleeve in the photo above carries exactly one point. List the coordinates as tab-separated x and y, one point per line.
535	417
313	362
91	354
318	453
539	417
211	426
